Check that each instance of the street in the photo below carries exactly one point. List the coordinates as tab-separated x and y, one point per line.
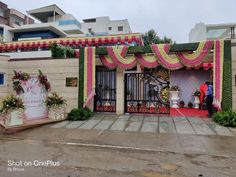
43	152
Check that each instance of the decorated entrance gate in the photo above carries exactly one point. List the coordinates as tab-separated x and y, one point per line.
105	98
147	92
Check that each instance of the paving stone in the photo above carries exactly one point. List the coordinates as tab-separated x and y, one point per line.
98	116
124	117
200	126
149	126
89	124
183	126
166	125
233	130
220	130
119	124
103	125
150	118
74	124
60	124
137	118
134	123
111	117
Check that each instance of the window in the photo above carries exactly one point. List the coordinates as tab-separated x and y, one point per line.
120	28
2	79
109	28
16	20
2	12
69	22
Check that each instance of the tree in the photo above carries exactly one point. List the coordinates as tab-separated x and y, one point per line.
151	37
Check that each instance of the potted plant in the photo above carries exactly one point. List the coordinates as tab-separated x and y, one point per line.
190	104
196	94
12	109
174	95
56	106
181	104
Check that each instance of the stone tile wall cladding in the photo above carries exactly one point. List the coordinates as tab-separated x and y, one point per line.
56	70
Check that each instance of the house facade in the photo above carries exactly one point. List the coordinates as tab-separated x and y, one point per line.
119	90
105	26
203	31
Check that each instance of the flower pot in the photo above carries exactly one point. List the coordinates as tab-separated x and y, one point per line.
57	113
14	118
174	98
196	102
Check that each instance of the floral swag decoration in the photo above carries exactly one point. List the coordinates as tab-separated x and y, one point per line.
117	57
20	77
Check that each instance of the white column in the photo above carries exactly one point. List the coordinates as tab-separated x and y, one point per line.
54	16
119	91
27	19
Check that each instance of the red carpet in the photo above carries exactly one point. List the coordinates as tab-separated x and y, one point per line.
188	112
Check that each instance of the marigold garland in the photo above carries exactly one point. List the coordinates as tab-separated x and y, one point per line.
167	61
196	58
218	72
118	56
89	74
147	60
107	61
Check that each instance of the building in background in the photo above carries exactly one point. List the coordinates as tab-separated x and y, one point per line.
12	17
55	23
32	40
203	31
104	26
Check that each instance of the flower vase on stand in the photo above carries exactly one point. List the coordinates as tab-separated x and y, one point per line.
57	113
14	118
196	102
174	97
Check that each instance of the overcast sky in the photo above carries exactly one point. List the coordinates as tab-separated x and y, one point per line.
173	18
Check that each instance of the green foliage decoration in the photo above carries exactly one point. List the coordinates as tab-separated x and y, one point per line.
79	114
55	101
225	118
11	103
227	77
58	51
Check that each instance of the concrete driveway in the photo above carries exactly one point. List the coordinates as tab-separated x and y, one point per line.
151	124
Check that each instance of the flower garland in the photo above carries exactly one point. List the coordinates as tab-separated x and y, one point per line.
147	60
167	61
44	81
89	74
18	79
196	58
218	72
107	61
118	56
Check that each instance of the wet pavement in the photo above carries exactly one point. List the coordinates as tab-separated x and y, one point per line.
122	146
152	124
82	153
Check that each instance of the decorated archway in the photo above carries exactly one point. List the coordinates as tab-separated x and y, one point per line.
171	57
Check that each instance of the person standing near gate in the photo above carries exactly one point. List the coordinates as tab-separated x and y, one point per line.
209	98
203	89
